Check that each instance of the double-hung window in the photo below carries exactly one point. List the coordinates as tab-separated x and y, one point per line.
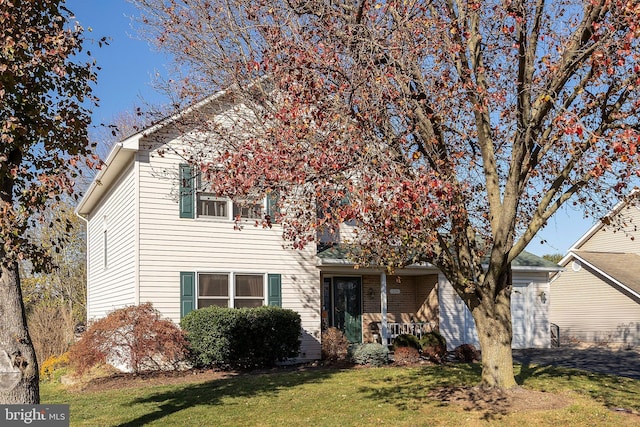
213	289
248	290
230	290
211	205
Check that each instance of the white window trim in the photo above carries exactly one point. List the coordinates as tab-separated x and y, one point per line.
231	285
229	208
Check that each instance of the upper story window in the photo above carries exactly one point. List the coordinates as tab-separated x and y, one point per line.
211	206
195	201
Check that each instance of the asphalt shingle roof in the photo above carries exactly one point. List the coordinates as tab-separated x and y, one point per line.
623	267
524	260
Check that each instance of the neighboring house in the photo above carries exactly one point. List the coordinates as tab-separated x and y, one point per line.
597	296
154	236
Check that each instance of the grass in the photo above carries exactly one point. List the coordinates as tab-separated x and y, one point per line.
352	397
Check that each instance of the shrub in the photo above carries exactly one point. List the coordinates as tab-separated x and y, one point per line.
335	345
434	346
242	338
406	355
466	353
406	340
134	336
51	330
373	354
52	364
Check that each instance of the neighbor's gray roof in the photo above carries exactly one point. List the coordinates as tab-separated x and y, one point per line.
338	253
623	268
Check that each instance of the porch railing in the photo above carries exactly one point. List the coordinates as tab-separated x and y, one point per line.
394	329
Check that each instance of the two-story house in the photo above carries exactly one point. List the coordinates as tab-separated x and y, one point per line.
153	235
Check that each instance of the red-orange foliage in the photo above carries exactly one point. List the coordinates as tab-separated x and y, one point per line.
135	336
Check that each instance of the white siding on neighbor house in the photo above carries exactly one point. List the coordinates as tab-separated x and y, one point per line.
170	245
610	239
456	322
589	309
114	285
530	302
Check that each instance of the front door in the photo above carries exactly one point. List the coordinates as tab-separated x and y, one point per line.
347	307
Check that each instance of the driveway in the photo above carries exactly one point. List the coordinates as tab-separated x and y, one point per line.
602	359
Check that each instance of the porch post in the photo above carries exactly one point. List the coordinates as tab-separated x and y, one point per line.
383	307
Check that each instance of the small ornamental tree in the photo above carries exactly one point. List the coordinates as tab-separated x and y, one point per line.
135	336
44	95
450	131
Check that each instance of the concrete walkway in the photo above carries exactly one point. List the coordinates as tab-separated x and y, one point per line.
602	359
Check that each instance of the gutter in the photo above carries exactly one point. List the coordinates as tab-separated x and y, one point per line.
97	180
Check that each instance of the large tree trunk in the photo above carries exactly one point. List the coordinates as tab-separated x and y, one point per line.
494	333
494	326
15	340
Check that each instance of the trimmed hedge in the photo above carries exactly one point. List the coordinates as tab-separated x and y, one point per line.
231	338
406	340
433	338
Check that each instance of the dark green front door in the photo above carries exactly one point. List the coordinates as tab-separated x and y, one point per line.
347	307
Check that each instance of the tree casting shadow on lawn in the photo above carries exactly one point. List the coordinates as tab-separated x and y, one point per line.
211	393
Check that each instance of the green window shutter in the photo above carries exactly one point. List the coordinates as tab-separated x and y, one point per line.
186	192
275	290
187	292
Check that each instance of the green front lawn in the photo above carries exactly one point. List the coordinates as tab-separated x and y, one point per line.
331	397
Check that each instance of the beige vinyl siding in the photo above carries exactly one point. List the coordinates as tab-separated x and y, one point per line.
170	244
588	309
113	286
610	239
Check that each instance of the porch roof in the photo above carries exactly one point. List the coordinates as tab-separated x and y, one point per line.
337	255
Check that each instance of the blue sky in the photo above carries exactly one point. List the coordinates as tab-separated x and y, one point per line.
129	65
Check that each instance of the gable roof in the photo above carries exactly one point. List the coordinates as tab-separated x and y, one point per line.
123	153
623	269
635	193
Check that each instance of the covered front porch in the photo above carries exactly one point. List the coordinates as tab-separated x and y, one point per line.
372	306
